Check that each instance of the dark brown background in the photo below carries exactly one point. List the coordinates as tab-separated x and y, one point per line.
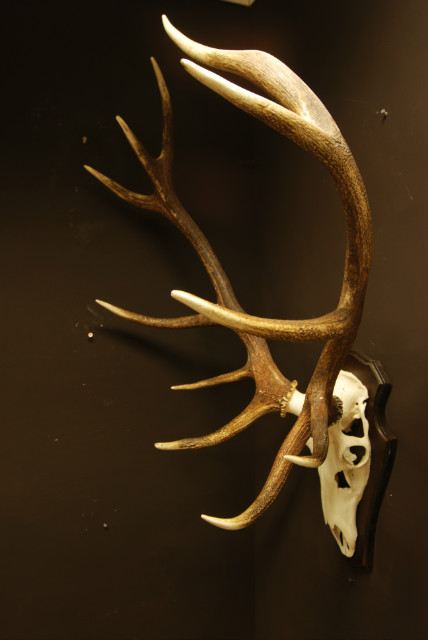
79	418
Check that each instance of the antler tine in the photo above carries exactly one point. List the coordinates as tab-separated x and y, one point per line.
293	444
139	149
261	69
233	376
253	411
167	151
136	199
290	123
331	325
159	169
183	322
165	157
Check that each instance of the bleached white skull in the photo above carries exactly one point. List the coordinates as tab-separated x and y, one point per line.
345	471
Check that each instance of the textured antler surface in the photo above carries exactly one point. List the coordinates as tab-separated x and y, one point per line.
292	109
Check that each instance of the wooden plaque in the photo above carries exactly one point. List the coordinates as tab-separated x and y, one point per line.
384	446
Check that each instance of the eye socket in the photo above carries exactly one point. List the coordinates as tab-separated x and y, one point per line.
355	429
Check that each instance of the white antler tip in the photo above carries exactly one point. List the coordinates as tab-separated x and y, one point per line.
221	523
187	63
183	387
91	170
169	28
305	461
106	305
121	122
188	298
166	446
183	296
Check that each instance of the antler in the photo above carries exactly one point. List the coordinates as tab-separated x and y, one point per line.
298	114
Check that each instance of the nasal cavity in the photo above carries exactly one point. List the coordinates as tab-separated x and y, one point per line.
359	453
342	483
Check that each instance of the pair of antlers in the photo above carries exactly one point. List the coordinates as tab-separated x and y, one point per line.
293	110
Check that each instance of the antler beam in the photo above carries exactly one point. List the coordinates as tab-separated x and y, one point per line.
292	109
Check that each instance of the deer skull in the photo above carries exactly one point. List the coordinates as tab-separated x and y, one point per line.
345	471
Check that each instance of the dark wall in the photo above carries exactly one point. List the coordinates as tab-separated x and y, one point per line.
100	533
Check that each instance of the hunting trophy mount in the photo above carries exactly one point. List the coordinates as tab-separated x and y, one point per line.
340	417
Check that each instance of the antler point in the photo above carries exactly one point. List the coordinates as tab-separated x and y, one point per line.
164	446
305	461
90	170
230	524
106	305
179	295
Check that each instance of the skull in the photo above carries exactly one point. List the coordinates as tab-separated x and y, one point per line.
345	471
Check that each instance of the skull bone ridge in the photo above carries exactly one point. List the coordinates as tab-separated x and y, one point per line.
345	471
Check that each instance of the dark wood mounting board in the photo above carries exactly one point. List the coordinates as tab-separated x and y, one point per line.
384	446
